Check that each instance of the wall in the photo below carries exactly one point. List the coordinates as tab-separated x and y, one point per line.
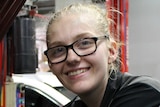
144	37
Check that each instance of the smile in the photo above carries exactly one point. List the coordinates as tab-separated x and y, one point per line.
77	72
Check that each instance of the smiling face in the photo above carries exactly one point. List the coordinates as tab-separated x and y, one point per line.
79	74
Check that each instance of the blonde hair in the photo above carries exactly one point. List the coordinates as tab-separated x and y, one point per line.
100	16
98	13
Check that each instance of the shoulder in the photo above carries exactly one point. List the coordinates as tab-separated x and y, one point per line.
131	80
121	80
139	91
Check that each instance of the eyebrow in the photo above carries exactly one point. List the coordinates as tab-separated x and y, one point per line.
56	43
77	37
82	35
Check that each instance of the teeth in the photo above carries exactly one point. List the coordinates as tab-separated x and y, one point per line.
76	72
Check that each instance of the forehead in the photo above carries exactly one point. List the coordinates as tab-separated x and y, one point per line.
74	18
71	25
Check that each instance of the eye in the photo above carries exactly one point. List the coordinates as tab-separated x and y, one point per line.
85	43
57	51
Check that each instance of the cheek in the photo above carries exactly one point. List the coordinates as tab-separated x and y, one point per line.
102	57
103	52
56	69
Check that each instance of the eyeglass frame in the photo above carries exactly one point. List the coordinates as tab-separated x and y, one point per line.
67	47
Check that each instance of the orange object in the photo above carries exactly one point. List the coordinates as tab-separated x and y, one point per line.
119	14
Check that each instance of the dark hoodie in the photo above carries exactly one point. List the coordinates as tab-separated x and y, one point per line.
125	90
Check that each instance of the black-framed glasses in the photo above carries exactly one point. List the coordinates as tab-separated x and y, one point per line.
82	47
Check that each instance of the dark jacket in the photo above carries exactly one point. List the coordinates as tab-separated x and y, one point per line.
125	90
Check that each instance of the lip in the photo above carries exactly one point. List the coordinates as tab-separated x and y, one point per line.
77	72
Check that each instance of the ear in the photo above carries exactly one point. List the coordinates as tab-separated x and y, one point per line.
113	52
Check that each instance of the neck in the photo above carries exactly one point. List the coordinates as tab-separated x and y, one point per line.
94	97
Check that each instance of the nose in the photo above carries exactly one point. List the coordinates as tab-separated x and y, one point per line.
72	57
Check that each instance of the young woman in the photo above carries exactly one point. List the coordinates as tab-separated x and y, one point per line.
83	55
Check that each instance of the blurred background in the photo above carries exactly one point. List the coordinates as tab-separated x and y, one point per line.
144	25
